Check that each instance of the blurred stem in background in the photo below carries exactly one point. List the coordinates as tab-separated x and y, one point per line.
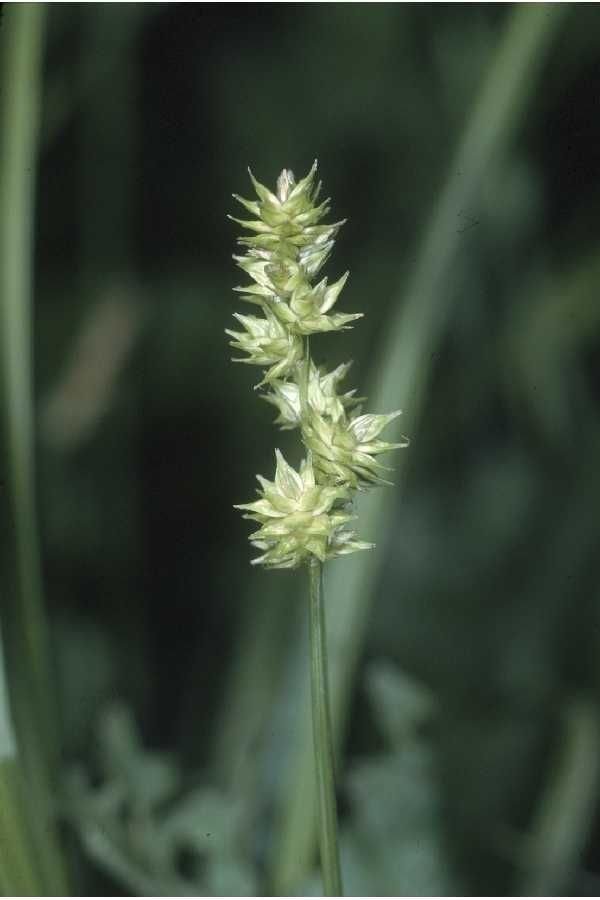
401	378
18	862
23	616
566	810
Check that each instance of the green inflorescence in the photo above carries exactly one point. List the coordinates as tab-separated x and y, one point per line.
305	514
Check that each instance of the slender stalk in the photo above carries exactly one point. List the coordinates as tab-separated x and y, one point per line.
321	716
23	611
18	861
566	810
21	58
305	377
322	736
19	874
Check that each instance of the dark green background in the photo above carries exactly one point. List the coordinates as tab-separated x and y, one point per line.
486	583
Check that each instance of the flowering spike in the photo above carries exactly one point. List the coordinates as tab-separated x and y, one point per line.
303	514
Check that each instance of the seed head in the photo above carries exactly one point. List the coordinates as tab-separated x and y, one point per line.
299	518
302	515
285	252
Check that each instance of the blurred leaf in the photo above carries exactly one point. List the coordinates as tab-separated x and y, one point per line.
401	704
139	823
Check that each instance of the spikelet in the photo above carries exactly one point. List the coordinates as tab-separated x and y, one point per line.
299	518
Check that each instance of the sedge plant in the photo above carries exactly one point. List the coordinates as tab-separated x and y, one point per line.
303	516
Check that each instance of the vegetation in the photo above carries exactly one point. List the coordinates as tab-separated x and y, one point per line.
155	727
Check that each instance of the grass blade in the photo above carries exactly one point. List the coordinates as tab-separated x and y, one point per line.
18	869
23	615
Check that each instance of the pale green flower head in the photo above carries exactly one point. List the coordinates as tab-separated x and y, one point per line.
288	219
345	451
300	519
268	344
303	516
323	397
287	249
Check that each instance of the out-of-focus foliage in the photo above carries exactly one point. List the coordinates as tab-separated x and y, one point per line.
394	835
148	831
461	773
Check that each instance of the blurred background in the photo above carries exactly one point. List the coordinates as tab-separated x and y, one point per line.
461	144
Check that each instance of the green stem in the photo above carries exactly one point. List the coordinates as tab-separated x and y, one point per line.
19	873
23	613
21	59
566	810
322	736
304	378
19	876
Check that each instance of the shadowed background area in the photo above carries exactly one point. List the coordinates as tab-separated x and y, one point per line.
461	144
